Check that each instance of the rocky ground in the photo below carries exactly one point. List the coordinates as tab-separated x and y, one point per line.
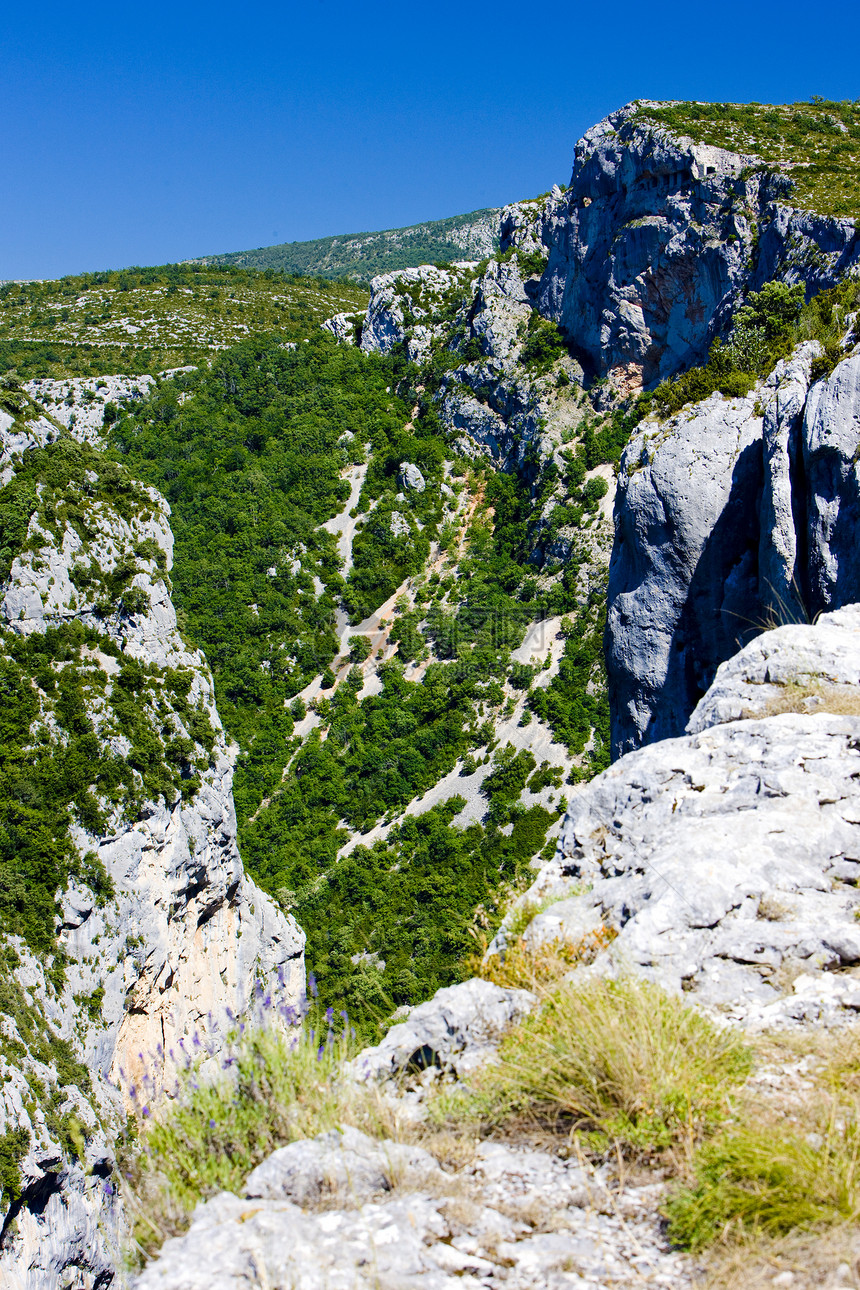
724	865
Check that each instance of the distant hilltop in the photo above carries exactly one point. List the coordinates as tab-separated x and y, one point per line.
360	256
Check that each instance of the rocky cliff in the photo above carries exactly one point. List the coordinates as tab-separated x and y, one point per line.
726	859
733	514
652	246
721	865
155	936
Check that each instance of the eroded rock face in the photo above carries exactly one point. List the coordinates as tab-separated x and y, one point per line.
731	515
649	251
682	577
184	938
651	246
727	860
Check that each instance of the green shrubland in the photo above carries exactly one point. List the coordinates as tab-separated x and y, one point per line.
140	320
250	456
767	328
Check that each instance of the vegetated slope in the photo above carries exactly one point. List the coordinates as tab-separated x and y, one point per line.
816	143
255	455
117	839
150	319
360	256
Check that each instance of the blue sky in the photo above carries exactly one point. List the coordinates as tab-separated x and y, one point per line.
138	135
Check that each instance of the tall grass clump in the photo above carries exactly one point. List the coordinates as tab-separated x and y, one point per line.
623	1064
760	1177
277	1087
763	1176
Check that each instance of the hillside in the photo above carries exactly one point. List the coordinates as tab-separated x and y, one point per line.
147	320
816	144
360	256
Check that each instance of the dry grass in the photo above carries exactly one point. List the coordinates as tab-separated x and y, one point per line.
803	1261
526	966
783	1176
619	1067
814	696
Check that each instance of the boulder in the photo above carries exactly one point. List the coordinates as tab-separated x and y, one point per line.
457	1029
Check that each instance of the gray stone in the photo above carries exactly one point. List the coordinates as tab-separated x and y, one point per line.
411	477
719	856
342	327
522	1218
796	655
457	1029
727	521
682	576
343	1163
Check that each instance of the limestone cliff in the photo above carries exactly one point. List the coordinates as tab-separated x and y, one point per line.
725	861
159	935
730	515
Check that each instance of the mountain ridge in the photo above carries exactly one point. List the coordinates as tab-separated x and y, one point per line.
361	256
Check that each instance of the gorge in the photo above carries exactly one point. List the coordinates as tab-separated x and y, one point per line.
306	596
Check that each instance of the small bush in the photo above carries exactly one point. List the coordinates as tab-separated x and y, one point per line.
280	1087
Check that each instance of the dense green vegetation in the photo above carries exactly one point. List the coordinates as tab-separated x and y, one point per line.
360	256
56	766
151	319
817	144
250	456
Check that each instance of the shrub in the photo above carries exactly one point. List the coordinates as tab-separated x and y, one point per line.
760	1176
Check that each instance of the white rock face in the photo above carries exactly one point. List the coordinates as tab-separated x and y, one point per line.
342	327
457	1029
78	403
392	295
797	655
732	514
186	937
727	860
411	477
683	566
650	246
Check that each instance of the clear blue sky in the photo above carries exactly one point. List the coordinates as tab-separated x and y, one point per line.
142	134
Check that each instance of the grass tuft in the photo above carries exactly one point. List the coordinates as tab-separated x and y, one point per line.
526	966
760	1177
278	1088
622	1062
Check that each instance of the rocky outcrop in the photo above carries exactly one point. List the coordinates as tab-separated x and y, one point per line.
648	252
180	943
730	515
455	1030
657	238
725	862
